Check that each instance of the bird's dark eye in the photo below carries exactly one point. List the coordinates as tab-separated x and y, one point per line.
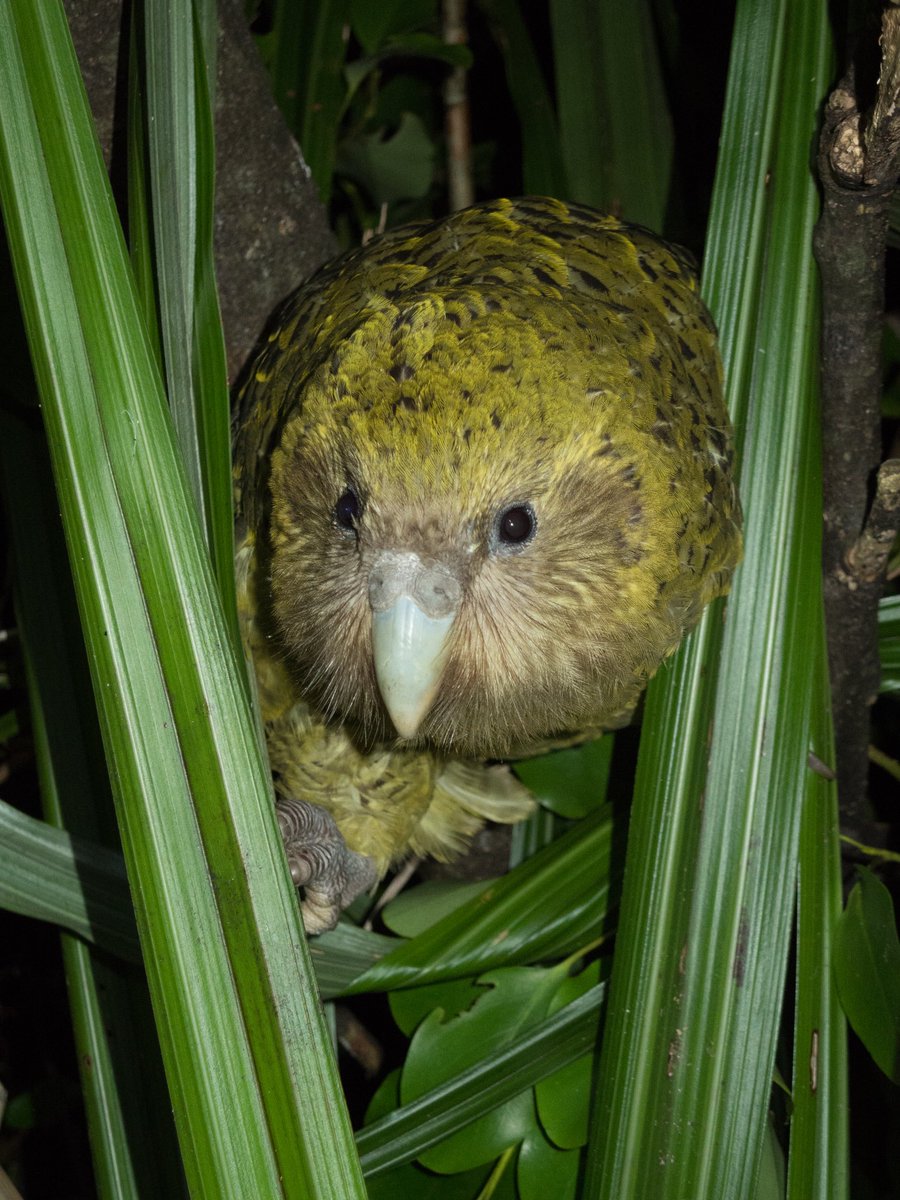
515	525
347	510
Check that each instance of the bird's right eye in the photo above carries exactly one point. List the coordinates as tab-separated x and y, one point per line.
347	510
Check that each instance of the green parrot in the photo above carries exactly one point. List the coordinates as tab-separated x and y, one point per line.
483	484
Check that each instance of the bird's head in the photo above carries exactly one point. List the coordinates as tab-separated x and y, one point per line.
472	522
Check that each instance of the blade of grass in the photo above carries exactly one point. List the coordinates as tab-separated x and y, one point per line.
161	699
543	169
49	875
889	643
133	1153
118	1057
45	871
705	920
171	134
176	127
209	369
765	699
307	50
140	218
547	907
51	311
614	123
818	1163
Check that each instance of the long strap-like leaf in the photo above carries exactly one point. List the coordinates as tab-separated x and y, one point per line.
253	1081
697	985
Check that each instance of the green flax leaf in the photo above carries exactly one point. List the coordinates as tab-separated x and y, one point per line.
252	1079
818	1162
702	946
614	122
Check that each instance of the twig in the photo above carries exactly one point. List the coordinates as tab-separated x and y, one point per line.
877	852
460	186
885	762
867	558
393	889
362	1046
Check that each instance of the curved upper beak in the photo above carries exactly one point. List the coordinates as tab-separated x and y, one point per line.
414	605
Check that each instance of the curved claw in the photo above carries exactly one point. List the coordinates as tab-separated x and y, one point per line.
331	874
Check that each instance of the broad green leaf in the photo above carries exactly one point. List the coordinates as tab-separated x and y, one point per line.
419	907
867	969
542	1170
410	1179
427	45
517	998
373	23
411	45
306	51
414	1181
570	783
563	1098
537	1052
390	168
409	1006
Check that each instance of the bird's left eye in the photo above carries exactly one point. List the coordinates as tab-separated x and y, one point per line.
515	525
347	509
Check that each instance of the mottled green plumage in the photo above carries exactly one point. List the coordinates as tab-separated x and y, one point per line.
518	353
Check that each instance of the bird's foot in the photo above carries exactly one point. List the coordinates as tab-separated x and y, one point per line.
331	874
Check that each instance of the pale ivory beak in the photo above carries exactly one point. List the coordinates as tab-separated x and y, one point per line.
413	609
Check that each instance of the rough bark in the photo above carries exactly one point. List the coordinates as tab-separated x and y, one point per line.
859	159
271	229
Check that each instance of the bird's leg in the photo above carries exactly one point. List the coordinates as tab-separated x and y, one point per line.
331	874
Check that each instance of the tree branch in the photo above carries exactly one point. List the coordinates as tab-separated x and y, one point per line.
859	159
